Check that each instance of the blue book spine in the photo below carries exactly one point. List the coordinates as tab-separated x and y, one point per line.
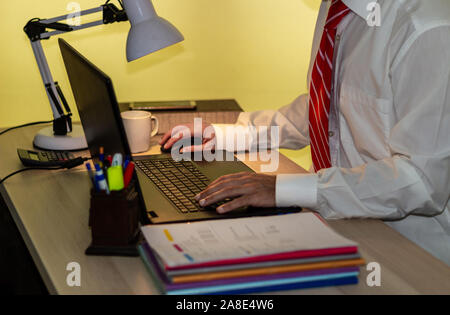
269	285
294	286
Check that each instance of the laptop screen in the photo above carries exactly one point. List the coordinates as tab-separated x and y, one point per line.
96	102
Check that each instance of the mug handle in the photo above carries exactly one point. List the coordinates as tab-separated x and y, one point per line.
155	131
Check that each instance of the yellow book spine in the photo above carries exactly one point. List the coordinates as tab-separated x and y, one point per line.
266	271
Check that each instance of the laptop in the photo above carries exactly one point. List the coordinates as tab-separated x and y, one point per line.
166	187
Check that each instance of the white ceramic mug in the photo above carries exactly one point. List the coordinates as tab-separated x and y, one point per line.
139	129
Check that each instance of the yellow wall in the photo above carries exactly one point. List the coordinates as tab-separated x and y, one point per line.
256	51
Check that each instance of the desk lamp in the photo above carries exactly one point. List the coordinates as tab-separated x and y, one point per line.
148	33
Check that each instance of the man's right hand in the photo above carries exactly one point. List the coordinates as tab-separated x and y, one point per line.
205	132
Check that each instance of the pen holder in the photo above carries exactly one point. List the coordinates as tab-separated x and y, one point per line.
114	222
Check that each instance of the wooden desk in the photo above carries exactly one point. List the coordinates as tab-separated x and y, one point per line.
51	212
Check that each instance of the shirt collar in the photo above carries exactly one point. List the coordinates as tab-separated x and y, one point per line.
359	6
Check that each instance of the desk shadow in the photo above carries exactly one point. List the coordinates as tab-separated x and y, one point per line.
18	274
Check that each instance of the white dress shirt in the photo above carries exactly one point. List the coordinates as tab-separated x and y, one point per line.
389	123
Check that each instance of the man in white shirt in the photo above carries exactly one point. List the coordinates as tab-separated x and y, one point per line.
388	126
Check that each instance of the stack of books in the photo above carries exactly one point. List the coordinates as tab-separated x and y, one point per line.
249	255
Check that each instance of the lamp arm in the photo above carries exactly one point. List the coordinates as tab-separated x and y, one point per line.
36	30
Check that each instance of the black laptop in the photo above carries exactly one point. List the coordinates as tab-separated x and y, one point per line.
167	187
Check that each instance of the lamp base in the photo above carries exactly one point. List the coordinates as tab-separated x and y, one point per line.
74	141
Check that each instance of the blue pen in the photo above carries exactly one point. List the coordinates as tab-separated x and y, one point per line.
100	179
125	164
92	176
101	154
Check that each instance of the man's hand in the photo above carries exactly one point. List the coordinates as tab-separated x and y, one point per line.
205	132
248	189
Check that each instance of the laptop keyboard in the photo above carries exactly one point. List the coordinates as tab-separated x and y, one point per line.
179	181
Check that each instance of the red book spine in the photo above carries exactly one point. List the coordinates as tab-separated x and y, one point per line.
281	256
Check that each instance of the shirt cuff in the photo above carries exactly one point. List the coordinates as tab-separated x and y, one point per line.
296	190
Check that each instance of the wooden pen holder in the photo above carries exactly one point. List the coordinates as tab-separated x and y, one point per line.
114	222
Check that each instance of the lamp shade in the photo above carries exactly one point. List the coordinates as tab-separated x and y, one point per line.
148	32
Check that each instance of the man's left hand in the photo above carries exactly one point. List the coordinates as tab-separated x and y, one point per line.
247	189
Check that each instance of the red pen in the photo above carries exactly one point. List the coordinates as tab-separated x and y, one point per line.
109	159
128	174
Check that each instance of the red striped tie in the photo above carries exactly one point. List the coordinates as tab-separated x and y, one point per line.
320	89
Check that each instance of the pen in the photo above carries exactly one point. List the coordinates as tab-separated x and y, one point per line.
127	160
117	160
128	175
101	154
91	175
108	161
115	178
125	164
100	179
